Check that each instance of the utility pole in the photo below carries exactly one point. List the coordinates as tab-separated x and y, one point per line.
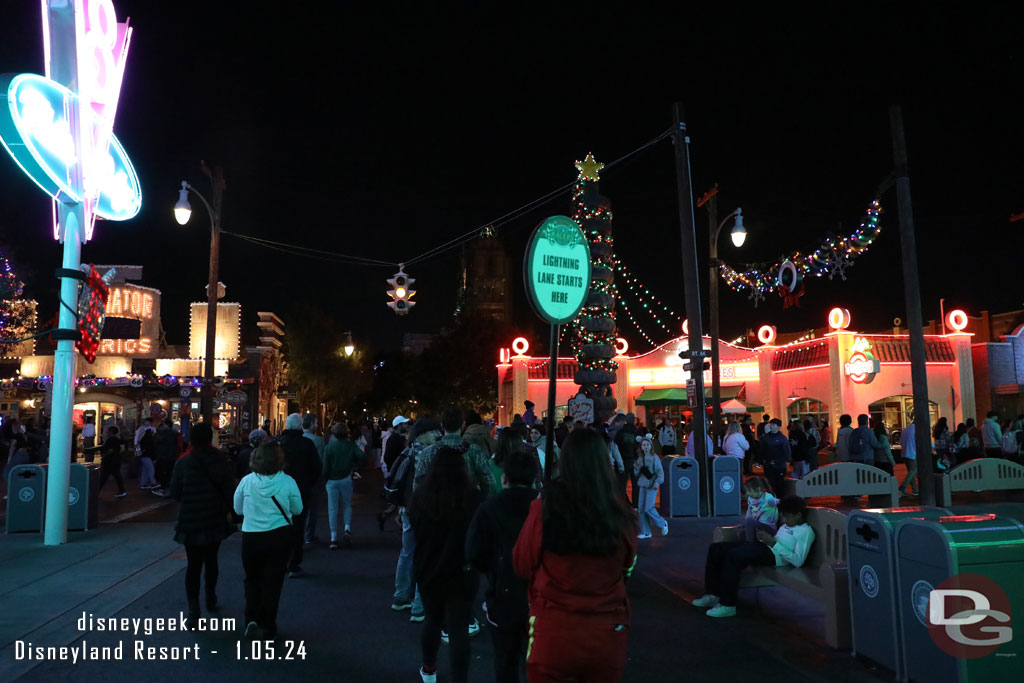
212	294
691	285
716	382
915	322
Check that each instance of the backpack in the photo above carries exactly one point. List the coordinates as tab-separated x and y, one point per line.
856	442
1010	442
399	480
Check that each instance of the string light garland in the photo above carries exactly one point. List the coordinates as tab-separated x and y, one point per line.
15	313
834	255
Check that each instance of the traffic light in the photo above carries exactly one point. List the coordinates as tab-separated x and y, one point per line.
400	293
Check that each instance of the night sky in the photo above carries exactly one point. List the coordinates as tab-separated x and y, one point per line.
381	131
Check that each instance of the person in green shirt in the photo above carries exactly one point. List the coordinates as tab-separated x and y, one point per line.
477	460
341	460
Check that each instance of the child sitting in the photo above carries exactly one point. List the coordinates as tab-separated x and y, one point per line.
762	508
789	547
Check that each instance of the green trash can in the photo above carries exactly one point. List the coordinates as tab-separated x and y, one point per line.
982	557
871	549
26	498
83	494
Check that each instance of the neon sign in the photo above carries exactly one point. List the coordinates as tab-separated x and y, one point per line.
63	140
862	366
130	303
120	347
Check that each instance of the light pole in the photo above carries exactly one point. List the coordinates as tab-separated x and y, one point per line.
350	346
182	212
739	235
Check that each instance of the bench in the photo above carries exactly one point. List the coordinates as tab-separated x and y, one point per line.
846	479
981	474
823	578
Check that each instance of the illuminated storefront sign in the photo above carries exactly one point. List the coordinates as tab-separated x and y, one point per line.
862	366
676	376
130	302
64	140
124	347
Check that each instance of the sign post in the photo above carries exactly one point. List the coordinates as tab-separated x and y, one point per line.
557	275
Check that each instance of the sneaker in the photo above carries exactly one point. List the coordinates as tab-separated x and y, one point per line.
428	678
346	540
721	611
252	629
664	530
474	628
334	545
295	573
162	492
121	495
643	535
706	601
444	636
399	606
417	618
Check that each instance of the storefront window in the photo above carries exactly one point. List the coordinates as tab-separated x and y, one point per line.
804	408
896	412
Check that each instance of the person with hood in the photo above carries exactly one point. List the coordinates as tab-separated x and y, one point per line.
341	460
575	551
992	435
776	452
441	511
302	463
650	475
269	501
203	483
489	548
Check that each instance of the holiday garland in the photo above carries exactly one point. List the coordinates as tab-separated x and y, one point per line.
832	257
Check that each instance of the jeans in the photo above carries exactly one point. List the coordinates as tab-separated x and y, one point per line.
146	478
406	589
726	561
198	557
800	468
314	502
911	474
648	513
454	612
335	488
264	556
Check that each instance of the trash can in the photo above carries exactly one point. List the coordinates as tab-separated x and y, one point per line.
871	549
985	554
26	498
83	497
680	494
727	479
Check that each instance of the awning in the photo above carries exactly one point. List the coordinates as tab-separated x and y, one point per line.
735	406
670	397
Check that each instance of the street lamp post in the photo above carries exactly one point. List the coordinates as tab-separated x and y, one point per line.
182	213
739	235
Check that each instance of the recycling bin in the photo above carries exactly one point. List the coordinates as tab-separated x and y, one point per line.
979	559
83	497
26	498
727	479
680	493
871	549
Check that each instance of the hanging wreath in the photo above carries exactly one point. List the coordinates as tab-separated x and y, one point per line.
790	284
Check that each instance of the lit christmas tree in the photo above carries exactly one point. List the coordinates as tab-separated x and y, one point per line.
16	314
592	335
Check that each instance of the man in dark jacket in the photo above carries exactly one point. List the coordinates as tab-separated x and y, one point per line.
204	483
776	452
489	545
301	463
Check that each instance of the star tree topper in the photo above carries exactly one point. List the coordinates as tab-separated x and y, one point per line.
589	168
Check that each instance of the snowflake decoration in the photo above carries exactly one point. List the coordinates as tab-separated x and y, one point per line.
756	295
837	264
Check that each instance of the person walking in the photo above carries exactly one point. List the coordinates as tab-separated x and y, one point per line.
203	482
425	433
841	447
883	459
943	440
88	438
110	465
476	457
798	447
735	444
341	460
992	435
394	443
441	511
908	450
167	448
650	476
576	550
815	442
269	501
776	452
490	544
309	425
146	450
302	463
667	437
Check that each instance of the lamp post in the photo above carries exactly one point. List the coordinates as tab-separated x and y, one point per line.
350	346
738	235
182	213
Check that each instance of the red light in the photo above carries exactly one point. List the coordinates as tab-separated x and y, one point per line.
968	518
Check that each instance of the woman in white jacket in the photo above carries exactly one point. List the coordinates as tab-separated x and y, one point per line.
268	500
735	443
650	476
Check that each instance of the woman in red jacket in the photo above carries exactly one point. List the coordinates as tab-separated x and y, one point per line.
586	536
